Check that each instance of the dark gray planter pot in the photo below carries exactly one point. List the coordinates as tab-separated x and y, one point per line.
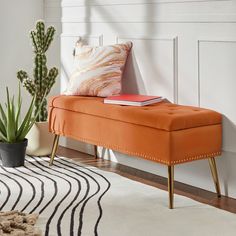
13	154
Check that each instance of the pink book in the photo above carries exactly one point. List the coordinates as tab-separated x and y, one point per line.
132	100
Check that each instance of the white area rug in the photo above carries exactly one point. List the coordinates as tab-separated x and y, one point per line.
76	200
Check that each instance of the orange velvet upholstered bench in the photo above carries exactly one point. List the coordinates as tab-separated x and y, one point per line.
166	133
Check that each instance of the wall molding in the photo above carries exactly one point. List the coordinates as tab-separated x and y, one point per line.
73	11
174	41
81	3
168	18
85	36
199	42
80	21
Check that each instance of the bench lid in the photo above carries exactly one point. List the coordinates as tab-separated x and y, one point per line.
164	115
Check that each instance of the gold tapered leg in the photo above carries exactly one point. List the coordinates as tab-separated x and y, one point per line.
171	186
95	151
54	148
214	173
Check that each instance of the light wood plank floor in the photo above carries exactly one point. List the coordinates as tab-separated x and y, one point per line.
226	203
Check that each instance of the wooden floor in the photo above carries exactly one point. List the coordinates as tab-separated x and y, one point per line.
225	203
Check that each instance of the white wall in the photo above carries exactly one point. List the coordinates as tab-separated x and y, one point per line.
184	50
17	18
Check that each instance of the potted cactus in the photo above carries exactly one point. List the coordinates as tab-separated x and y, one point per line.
40	140
13	132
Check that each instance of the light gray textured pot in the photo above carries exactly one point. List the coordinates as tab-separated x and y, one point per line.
40	140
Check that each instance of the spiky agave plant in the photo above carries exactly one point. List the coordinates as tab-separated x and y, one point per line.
12	129
43	79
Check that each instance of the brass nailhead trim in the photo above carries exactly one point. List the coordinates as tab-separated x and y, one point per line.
117	148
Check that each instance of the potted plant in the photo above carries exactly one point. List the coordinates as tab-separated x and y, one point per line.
13	132
40	140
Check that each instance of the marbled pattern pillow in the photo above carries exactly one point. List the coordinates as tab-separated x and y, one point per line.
98	69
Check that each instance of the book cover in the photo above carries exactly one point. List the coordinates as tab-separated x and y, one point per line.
132	99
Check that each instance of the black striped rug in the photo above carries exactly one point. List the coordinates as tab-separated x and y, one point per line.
60	194
73	199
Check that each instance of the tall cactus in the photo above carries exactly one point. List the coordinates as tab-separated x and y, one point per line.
43	79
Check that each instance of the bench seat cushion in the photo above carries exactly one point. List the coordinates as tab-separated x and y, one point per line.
162	132
164	115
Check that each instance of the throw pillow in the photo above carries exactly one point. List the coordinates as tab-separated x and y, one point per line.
98	69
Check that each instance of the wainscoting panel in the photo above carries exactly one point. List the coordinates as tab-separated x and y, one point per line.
184	50
217	73
152	67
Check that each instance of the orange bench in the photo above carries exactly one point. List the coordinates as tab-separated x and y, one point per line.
163	132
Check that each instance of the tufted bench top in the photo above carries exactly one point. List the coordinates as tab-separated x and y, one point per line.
164	115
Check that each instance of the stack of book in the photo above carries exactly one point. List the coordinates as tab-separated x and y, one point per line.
132	100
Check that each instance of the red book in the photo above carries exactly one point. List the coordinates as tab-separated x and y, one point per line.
132	100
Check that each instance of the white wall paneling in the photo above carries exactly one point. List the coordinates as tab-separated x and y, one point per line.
216	83
184	50
152	67
216	78
148	11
